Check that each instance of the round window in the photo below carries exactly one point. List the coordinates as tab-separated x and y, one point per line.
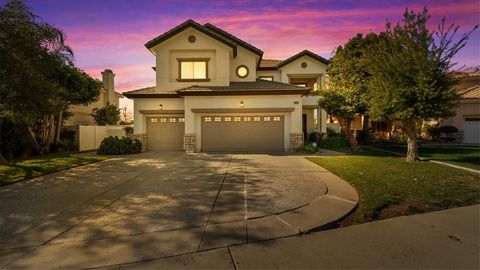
191	38
304	64
242	71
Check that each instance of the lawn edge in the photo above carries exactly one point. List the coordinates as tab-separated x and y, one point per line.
51	172
428	160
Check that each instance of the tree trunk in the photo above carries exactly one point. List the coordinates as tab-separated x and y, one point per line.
345	125
34	138
58	127
3	160
410	128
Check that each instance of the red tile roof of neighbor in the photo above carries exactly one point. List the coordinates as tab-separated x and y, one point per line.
471	93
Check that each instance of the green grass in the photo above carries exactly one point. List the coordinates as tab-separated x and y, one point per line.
40	165
465	156
389	186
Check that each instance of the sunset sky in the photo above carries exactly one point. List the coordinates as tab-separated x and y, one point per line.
112	33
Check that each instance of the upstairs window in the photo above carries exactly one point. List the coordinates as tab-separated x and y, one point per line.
193	69
266	78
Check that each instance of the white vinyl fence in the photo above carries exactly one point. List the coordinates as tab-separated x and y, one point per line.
90	137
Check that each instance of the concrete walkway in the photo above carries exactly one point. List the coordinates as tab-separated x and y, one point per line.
446	239
157	204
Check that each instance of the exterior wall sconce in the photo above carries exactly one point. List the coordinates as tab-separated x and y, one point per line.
242	104
160	107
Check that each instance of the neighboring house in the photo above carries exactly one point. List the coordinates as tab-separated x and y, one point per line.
82	114
467	114
214	92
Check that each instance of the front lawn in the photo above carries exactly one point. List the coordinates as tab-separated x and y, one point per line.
389	186
39	165
465	156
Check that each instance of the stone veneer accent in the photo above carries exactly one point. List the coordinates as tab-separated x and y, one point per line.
296	140
143	139
189	143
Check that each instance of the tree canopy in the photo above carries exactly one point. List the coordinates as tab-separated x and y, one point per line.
410	74
38	78
347	91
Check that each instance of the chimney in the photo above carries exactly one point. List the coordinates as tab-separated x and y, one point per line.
108	84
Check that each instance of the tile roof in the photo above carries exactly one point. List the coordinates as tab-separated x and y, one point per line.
258	85
269	63
470	93
300	54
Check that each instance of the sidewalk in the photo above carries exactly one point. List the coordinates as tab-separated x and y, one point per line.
445	239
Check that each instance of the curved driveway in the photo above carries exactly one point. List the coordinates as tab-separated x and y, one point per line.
159	204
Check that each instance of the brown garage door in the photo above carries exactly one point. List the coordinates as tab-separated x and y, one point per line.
165	133
242	133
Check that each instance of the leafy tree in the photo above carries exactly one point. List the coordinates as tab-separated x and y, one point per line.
108	115
410	74
347	92
37	74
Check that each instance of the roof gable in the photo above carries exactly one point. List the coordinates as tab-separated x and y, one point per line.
185	25
303	53
234	39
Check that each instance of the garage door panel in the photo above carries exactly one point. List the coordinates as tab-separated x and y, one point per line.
165	133
246	135
471	131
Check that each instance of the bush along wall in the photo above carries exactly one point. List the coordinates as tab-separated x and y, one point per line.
115	146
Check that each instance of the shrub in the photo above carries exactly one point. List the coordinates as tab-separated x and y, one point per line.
108	115
128	131
15	141
306	148
332	133
334	142
362	136
447	129
314	137
116	146
433	132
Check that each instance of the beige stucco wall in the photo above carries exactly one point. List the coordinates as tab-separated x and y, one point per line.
293	120
313	67
275	73
247	58
179	47
467	108
139	125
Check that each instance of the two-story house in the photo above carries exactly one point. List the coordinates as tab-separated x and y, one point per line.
214	92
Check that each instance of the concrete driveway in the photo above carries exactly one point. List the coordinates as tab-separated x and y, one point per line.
160	204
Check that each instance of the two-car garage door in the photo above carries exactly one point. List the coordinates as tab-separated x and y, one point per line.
242	133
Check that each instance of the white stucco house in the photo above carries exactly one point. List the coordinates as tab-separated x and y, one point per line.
215	92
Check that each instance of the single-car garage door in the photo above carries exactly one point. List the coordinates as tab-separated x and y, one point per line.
243	133
165	133
471	130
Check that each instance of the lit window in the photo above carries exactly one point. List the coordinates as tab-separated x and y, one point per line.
173	120
276	118
218	119
154	120
246	118
266	78
181	120
256	118
193	69
208	119
163	120
266	118
237	119
228	119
